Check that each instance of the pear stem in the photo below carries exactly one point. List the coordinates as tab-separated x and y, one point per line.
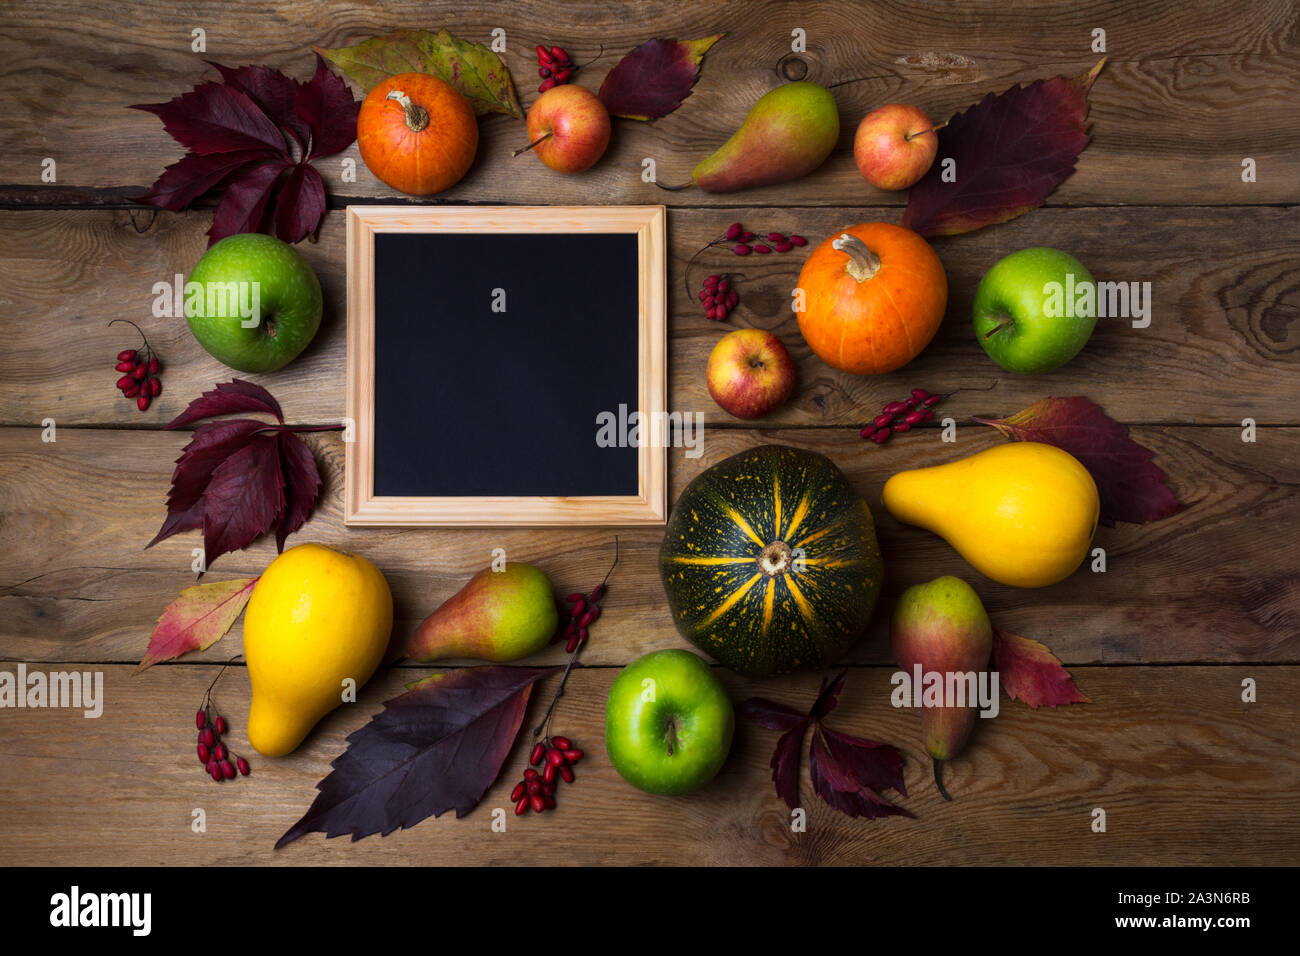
674	189
540	139
938	779
863	263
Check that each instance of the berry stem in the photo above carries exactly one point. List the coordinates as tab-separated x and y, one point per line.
541	728
579	66
147	347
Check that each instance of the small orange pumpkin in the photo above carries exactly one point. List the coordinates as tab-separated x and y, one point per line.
874	296
417	133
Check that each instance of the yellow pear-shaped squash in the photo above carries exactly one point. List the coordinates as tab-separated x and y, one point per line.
317	617
1022	513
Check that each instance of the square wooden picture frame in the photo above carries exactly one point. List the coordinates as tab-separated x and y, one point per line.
362	507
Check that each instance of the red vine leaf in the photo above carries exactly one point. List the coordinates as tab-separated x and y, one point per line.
239	478
227	398
1131	486
1031	673
1011	151
848	773
438	747
239	134
196	619
655	78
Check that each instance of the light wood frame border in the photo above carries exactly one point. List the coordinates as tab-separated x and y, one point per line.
362	508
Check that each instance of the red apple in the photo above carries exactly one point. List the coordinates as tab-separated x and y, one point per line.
894	146
750	373
568	128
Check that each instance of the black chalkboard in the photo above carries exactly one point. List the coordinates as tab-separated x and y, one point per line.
470	401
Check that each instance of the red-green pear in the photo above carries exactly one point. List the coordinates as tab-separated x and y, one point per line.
943	628
498	616
788	133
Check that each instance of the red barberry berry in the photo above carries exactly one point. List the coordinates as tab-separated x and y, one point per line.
539	751
798	241
566	772
733	233
242	766
762	248
742	249
220	725
201	719
562	743
520	789
126	355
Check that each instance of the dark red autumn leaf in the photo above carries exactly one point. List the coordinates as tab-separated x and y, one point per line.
771	715
273	92
874	765
211	445
1010	151
299	203
239	478
301	486
1131	486
841	789
216	118
436	748
243	498
245	200
846	772
242	129
653	79
228	398
329	109
194	174
1031	673
196	619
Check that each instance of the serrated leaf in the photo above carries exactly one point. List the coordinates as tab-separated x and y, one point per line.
227	398
874	765
238	133
655	78
769	714
213	443
841	790
244	498
471	68
1130	485
1011	151
1031	673
785	763
196	619
438	747
301	485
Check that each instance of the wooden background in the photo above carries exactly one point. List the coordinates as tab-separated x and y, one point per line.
1189	607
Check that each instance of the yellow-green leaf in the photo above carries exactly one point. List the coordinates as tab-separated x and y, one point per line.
197	619
470	67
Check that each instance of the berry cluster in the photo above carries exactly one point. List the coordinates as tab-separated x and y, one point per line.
214	756
898	417
140	379
719	296
557	757
744	241
580	614
553	66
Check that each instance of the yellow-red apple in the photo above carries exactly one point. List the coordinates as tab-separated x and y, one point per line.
750	373
895	146
568	128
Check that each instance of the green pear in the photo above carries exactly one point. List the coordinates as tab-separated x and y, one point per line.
498	616
788	133
943	627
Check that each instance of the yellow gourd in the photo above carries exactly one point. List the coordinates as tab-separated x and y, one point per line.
317	617
1022	513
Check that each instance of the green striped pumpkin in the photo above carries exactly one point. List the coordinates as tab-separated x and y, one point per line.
770	561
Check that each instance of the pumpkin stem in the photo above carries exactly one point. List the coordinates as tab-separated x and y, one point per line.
775	559
863	263
417	117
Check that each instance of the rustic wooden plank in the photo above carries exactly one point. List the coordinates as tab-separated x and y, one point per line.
1186	773
1183	81
1221	345
1215	582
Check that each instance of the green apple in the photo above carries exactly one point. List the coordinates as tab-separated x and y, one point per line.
668	722
1035	309
249	273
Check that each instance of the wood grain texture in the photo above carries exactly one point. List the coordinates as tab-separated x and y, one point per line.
1185	772
1223	343
1216	582
1189	91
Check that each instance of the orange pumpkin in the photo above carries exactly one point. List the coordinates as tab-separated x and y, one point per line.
417	133
874	296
